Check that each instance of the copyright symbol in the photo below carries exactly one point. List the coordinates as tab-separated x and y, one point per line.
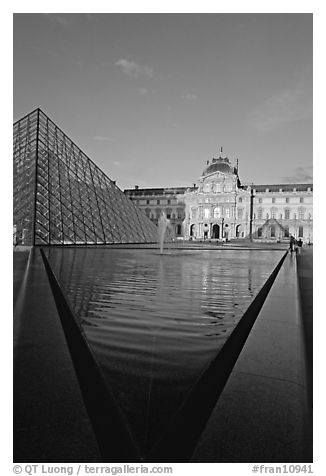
17	469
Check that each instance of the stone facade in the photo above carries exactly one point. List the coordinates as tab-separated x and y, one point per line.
219	207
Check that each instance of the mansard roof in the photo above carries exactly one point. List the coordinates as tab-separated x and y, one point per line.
284	187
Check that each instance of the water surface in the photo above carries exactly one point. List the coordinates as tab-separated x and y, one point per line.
155	322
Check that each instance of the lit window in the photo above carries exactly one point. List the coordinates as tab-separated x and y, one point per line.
217	212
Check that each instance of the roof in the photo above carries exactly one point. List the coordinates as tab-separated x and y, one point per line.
222	164
284	187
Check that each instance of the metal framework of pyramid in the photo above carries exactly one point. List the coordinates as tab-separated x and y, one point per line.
61	197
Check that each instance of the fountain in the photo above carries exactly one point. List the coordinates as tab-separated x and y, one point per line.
163	224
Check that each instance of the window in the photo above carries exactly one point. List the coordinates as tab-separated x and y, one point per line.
169	202
287	214
193	213
301	199
273	212
301	231
240	213
260	200
157	202
217	212
260	213
260	232
148	211
218	187
206	213
227	213
272	230
287	200
240	200
286	232
273	200
147	202
179	213
301	213
178	229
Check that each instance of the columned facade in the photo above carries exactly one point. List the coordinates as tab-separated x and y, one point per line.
219	207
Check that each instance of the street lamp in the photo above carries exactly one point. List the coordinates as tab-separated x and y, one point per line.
251	210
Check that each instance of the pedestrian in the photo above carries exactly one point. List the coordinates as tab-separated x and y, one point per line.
292	243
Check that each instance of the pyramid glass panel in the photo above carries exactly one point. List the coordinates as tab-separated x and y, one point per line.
61	197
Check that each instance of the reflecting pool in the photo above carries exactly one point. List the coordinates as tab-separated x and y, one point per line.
155	322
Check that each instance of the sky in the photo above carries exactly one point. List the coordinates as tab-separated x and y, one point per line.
151	97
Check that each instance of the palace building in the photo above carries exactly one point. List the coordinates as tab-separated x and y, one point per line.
219	207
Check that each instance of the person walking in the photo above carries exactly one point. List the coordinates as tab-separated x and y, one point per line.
292	243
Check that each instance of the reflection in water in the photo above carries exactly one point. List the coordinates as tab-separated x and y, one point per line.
155	322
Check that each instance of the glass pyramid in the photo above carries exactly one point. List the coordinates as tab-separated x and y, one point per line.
61	197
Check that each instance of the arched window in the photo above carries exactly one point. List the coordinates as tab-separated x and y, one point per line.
240	199
168	212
